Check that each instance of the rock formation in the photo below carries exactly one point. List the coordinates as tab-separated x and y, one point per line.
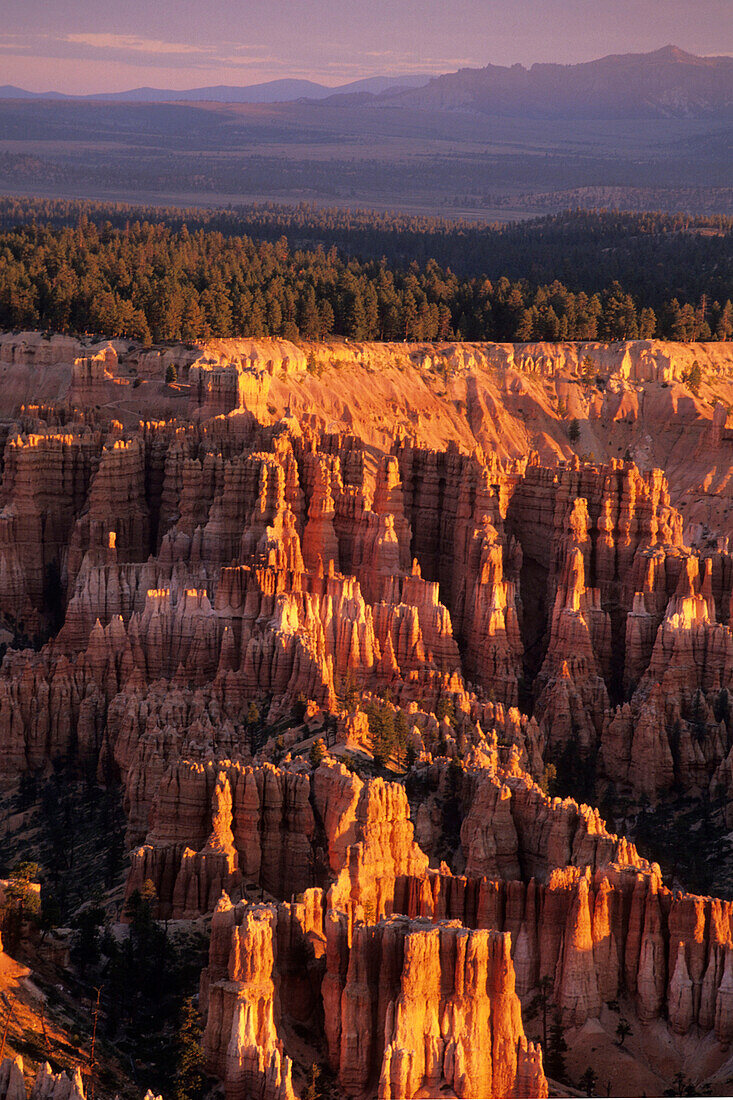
329	631
46	1086
407	1005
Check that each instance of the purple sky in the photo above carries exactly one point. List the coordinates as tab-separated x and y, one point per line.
111	45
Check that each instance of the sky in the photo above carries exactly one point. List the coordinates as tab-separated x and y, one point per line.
81	46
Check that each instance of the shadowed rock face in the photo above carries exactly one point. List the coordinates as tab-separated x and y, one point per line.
211	593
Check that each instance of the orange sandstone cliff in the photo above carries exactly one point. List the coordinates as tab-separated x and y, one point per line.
331	629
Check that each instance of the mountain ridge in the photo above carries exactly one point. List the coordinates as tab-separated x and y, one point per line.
663	83
270	91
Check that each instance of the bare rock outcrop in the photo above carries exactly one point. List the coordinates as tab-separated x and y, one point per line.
389	566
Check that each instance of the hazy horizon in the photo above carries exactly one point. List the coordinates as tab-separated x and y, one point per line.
91	46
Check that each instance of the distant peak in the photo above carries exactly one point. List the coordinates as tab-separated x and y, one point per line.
674	53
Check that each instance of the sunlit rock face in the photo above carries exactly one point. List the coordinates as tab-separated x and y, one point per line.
232	605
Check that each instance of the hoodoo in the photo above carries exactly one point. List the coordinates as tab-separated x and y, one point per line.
342	683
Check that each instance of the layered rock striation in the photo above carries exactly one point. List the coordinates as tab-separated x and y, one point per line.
191	604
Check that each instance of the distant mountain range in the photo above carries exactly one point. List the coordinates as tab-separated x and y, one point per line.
272	91
667	83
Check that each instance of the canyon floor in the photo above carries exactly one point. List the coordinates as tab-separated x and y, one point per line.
365	714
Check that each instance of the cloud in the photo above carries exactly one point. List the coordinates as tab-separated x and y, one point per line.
364	65
159	49
401	57
175	64
131	42
135	50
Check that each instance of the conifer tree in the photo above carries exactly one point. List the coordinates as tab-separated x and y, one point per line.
190	1081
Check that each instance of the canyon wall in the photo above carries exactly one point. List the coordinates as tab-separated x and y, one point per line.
329	618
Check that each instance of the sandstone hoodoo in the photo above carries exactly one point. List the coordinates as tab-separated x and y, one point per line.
354	643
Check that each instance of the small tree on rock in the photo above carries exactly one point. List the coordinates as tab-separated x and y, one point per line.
190	1081
556	1051
588	1082
622	1030
313	1089
541	1003
22	900
317	753
695	378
